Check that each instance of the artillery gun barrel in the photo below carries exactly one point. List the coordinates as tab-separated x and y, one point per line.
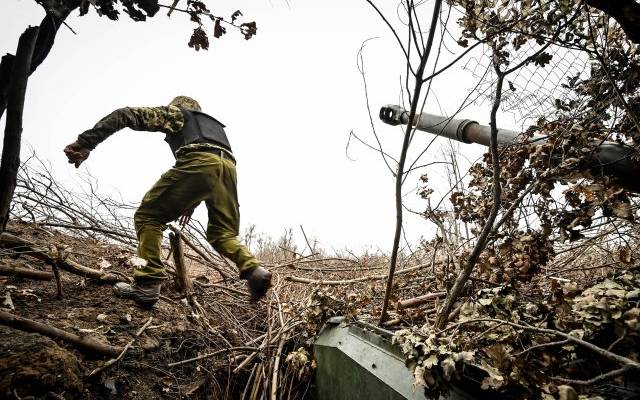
609	159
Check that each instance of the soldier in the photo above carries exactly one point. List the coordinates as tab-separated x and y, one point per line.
204	170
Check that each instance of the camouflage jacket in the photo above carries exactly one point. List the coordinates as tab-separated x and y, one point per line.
165	119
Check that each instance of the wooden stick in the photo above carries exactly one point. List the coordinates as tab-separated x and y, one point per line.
454	314
222	287
251	356
27	325
195	248
246	387
89	228
115	360
266	342
209	355
589	382
306	240
182	274
420	300
391	322
266	363
256	382
596	349
276	365
350	281
542	346
20	245
291	263
56	274
11	270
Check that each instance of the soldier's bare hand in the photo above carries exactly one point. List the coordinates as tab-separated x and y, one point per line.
76	154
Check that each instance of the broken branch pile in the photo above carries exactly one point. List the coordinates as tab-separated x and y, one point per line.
207	341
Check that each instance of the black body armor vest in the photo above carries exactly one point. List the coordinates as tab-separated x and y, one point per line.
198	128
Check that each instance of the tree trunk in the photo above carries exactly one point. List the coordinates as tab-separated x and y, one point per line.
54	18
13	129
6	65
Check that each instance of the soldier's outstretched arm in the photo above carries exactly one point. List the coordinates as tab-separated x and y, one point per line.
166	119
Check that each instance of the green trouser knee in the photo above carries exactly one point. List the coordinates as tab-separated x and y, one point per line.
196	177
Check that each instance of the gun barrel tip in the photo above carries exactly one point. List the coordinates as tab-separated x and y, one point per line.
391	114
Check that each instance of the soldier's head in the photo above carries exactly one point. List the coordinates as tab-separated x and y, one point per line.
186	103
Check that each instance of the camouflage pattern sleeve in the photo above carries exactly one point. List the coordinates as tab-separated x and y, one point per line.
166	119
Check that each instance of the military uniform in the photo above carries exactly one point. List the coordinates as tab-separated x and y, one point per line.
204	171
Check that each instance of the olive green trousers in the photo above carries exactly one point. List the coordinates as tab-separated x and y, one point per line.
196	177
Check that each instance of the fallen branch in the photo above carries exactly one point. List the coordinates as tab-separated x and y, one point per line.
391	322
264	344
454	314
291	263
27	325
599	378
350	281
56	274
20	245
542	346
420	300
209	355
25	273
276	365
217	286
89	228
596	349
333	269
124	351
247	386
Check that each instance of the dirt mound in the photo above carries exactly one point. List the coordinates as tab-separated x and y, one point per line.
203	347
35	365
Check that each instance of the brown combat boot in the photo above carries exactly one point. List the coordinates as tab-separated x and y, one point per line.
146	294
258	281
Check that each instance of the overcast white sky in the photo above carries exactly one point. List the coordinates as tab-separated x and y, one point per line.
289	97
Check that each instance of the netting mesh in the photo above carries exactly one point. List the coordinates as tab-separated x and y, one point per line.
530	92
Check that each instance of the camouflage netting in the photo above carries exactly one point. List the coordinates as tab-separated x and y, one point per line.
562	256
519	357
